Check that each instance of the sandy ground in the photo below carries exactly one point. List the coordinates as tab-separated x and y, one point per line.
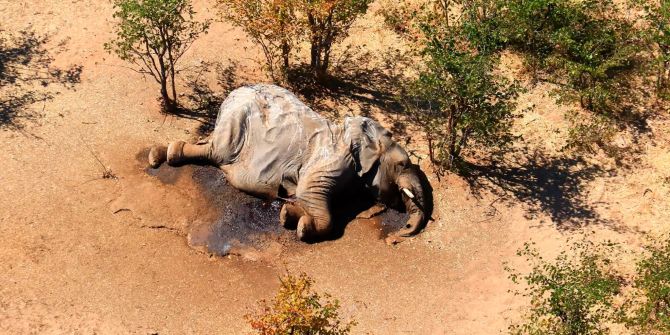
82	254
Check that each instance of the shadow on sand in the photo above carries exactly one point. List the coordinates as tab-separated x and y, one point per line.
348	90
554	186
25	72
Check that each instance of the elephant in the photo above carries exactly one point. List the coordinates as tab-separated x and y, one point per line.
271	145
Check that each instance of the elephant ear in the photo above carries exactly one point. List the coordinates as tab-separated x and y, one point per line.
369	156
368	144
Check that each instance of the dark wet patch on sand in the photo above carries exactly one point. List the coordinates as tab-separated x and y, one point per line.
235	223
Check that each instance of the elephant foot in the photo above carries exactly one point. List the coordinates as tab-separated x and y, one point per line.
157	156
285	218
306	229
289	215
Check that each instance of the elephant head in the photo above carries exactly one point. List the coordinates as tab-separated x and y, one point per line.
387	171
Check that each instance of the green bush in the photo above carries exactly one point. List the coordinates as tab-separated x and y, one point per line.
571	295
458	101
297	310
585	47
588	134
648	310
656	15
153	35
592	54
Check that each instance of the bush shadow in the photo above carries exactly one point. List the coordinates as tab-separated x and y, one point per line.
203	103
348	90
350	85
25	72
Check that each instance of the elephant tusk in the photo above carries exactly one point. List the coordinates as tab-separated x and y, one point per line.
408	192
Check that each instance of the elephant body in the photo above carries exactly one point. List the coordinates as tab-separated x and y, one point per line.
265	139
270	144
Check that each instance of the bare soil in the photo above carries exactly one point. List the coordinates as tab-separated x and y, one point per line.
179	251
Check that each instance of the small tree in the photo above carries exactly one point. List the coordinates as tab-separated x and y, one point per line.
457	98
154	35
328	22
296	309
571	295
272	24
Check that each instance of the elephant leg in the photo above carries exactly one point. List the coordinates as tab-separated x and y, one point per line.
308	231
316	223
290	215
315	192
238	176
180	153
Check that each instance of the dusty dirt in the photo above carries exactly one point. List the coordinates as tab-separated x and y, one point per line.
178	251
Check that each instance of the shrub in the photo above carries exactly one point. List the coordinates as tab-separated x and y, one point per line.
457	100
588	134
279	27
648	310
154	35
570	295
296	309
272	24
583	46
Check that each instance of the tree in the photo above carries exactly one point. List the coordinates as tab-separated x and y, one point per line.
272	24
280	26
591	54
154	35
648	310
656	13
328	22
457	98
297	310
582	46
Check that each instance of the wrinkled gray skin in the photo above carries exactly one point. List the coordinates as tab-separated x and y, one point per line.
269	144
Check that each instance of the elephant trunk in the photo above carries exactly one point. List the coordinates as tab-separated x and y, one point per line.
414	198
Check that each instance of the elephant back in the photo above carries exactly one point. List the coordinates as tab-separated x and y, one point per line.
267	131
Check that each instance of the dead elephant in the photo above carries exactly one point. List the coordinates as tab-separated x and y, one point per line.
271	145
